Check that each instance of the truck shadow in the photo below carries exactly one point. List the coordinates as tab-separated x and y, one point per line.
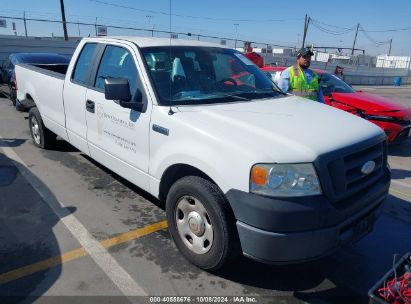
11	142
127	184
401	149
400	173
26	234
344	277
63	146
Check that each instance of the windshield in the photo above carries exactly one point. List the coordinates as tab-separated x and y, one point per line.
198	75
332	84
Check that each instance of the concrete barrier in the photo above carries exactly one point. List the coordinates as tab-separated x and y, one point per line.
32	44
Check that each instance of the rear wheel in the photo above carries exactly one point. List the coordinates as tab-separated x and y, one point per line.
201	223
12	95
42	137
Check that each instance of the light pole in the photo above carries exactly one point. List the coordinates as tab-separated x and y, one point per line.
236	33
78	27
63	18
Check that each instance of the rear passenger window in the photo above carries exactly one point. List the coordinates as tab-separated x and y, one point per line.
117	62
83	64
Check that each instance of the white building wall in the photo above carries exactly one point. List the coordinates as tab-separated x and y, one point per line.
393	62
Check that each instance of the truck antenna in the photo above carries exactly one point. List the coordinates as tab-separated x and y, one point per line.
170	110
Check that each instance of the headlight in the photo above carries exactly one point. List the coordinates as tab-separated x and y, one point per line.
284	180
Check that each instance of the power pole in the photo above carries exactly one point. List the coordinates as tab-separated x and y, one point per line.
95	27
355	39
306	23
25	25
63	18
389	51
236	34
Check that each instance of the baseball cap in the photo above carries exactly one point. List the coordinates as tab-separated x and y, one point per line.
304	52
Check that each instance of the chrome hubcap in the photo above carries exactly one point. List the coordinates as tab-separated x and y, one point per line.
194	225
35	130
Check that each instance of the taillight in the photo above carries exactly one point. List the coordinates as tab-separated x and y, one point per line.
15	80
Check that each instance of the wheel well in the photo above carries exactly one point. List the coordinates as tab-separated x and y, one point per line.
32	103
174	173
28	96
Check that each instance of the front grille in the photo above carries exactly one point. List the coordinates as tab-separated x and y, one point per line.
343	171
355	180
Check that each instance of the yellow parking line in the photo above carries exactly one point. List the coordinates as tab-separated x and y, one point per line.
78	253
134	234
42	265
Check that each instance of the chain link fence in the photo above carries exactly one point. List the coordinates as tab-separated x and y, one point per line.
356	68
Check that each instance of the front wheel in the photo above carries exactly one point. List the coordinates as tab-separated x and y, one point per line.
42	137
201	223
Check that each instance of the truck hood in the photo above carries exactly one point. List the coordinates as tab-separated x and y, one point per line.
369	102
288	129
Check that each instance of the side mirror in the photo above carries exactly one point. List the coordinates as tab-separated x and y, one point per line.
136	104
117	89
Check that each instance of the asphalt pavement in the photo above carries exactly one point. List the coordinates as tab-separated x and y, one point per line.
73	231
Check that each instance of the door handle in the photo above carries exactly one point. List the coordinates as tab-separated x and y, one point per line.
90	106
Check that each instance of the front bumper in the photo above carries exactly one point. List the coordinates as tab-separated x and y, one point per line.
292	230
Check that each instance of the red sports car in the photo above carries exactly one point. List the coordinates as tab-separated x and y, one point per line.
392	117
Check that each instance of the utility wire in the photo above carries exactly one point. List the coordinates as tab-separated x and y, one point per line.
318	25
334	26
190	16
377	43
391	30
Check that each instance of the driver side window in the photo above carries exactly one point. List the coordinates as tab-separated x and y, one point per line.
117	62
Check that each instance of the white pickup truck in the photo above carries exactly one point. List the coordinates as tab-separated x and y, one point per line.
241	167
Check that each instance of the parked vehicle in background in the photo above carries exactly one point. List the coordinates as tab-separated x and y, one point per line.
241	166
50	61
392	117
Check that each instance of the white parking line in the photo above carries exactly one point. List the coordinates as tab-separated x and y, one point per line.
116	273
402	184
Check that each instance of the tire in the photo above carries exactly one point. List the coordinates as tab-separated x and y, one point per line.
212	239
12	96
42	137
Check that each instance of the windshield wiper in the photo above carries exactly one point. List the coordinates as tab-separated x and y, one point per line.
207	99
233	96
278	90
261	93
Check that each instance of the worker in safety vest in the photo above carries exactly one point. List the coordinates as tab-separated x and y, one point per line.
299	80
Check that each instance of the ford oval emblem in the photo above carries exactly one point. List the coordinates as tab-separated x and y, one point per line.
368	167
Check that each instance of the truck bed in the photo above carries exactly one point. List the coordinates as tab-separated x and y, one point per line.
44	88
58	68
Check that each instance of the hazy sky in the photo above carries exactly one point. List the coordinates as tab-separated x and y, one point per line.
274	22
